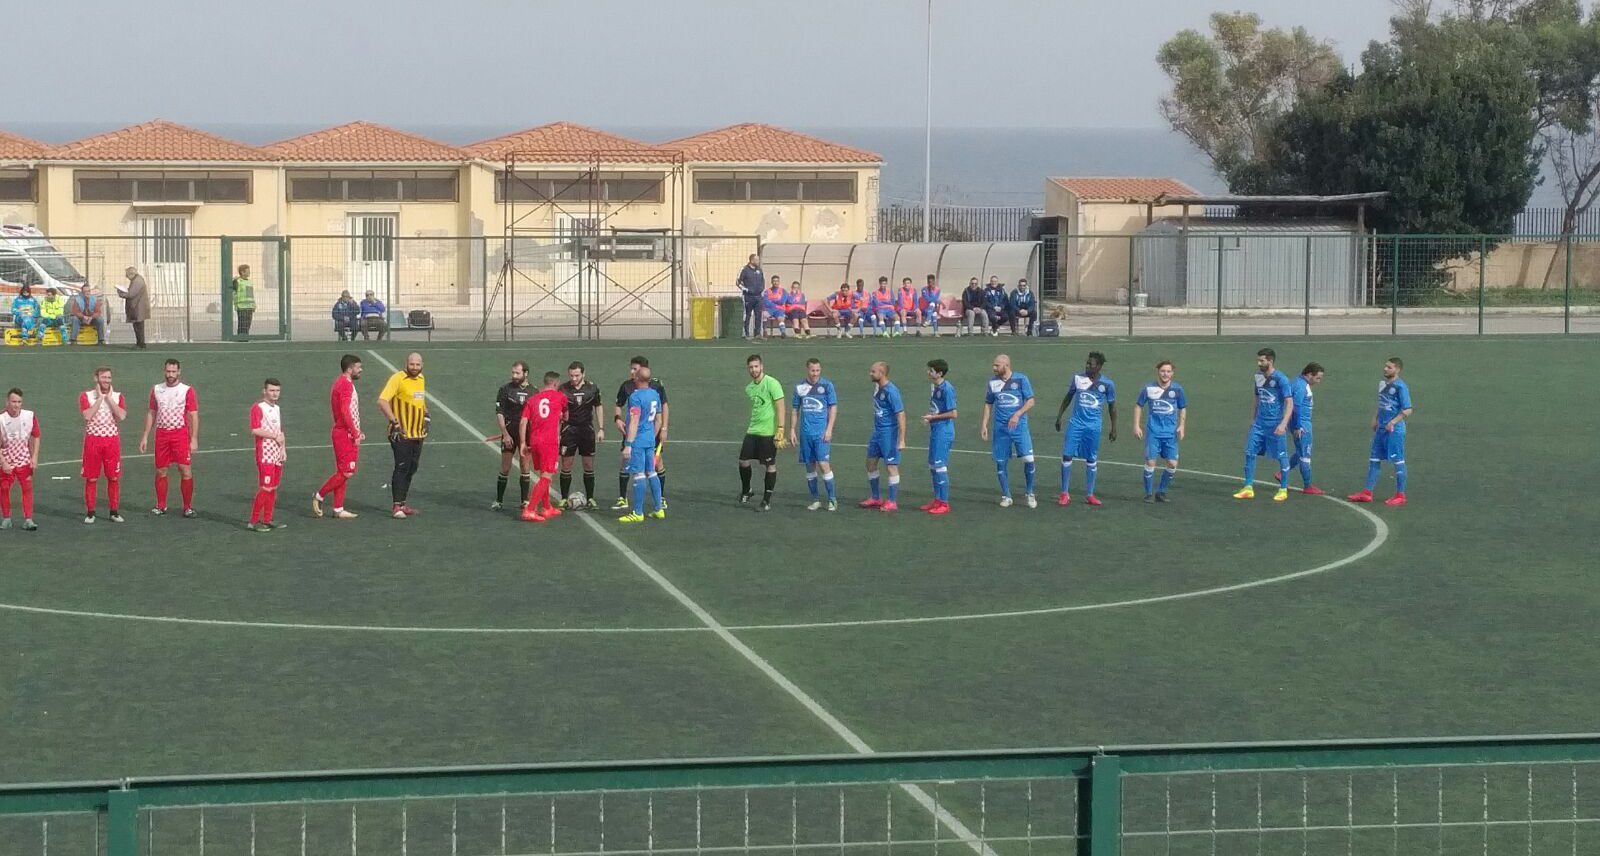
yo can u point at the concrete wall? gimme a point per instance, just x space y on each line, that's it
1527 265
788 222
1095 239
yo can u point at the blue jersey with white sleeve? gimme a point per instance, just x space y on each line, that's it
1090 397
812 401
1272 395
1163 405
1393 397
886 406
647 404
1007 396
1301 394
942 400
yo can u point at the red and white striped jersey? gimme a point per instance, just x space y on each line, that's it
264 415
346 406
15 432
172 405
104 424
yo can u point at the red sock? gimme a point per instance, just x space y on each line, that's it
331 486
338 492
90 488
256 506
186 487
5 500
161 490
271 502
27 498
114 493
541 494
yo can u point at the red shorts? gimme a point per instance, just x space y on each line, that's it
346 453
102 454
544 456
17 474
268 475
172 447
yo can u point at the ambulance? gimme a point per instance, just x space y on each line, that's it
28 258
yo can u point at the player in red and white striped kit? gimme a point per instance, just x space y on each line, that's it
19 454
175 414
266 423
346 436
102 408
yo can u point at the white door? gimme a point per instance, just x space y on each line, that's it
372 255
164 259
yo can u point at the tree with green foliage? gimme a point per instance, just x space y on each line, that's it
1229 89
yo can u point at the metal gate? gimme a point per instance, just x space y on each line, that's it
268 259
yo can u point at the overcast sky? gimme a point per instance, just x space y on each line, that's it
619 63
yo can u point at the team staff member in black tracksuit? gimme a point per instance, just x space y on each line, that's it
582 431
627 388
508 402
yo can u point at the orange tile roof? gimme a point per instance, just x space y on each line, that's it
565 142
20 148
361 142
1122 189
157 141
765 143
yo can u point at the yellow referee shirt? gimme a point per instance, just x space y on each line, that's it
405 397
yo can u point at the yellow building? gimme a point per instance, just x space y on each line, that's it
1098 218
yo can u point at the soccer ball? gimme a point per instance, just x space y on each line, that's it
576 499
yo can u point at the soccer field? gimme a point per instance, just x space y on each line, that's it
462 636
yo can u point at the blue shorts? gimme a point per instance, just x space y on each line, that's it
1081 443
1262 442
642 459
1160 448
847 316
774 313
939 449
814 450
1302 446
795 314
1006 444
1389 446
885 445
885 311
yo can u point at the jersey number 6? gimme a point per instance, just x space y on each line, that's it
544 408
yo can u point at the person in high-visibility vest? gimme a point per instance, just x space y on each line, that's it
244 301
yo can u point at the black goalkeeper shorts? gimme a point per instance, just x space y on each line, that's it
758 448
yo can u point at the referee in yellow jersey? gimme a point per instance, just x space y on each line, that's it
403 404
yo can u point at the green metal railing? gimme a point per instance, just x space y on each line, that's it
1478 795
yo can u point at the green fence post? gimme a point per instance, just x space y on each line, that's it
1100 808
226 303
1394 290
1131 239
122 823
1566 297
1219 285
1483 265
1308 286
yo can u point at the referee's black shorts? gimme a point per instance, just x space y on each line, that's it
577 441
758 448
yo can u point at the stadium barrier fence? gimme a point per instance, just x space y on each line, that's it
1498 795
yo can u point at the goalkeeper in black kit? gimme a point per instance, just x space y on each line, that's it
619 418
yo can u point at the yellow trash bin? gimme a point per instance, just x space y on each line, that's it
703 317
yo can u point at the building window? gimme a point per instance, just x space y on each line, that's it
774 187
155 186
617 188
372 185
19 185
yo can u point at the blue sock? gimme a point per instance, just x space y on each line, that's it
1399 476
941 484
638 493
1372 472
1003 470
827 482
1283 473
933 323
654 481
1092 469
1027 473
1066 475
1166 479
1149 475
872 482
811 482
1249 470
1305 471
894 488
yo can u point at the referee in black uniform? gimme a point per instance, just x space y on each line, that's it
627 388
508 402
582 430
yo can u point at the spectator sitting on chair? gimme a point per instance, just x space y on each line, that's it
346 317
928 304
998 303
25 315
795 308
53 314
86 310
374 316
1024 308
844 310
974 309
772 307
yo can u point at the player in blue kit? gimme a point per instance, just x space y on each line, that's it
1169 410
1089 394
1005 419
1302 394
1389 434
941 422
816 405
639 443
1272 412
888 438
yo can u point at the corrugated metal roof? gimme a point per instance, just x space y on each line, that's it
1235 226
